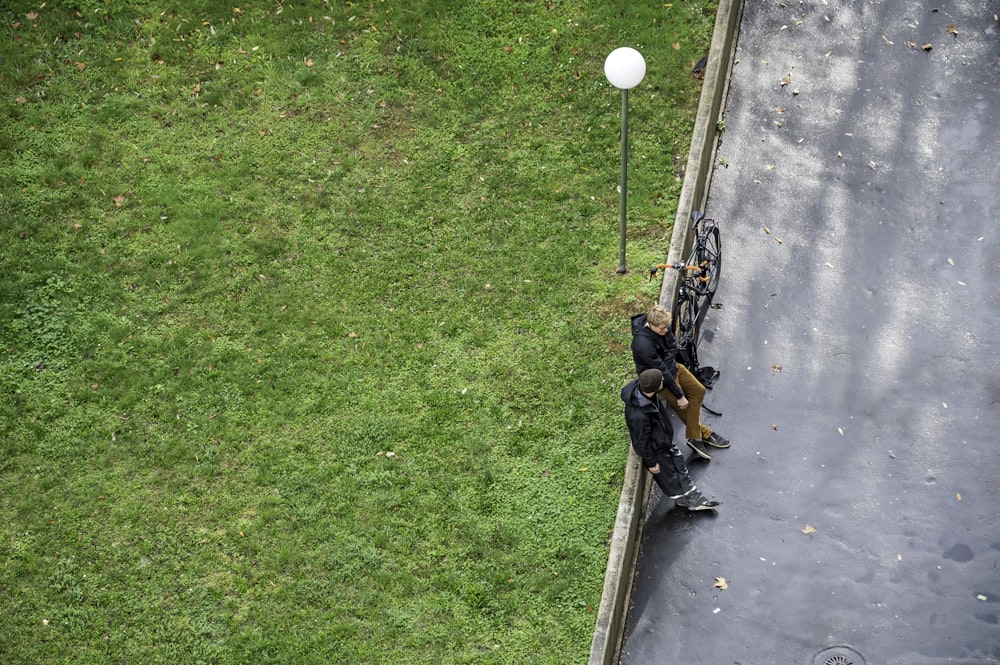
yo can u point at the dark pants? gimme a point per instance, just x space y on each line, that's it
673 478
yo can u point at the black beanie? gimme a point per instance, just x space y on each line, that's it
650 380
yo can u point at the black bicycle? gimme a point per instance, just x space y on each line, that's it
696 291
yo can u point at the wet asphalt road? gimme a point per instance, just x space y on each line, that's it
859 345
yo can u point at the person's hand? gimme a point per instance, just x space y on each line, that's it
654 469
682 403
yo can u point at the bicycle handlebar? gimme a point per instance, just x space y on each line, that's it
676 266
680 267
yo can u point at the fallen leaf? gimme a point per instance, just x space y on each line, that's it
927 47
720 583
886 40
808 529
352 334
952 29
119 201
776 368
677 46
390 454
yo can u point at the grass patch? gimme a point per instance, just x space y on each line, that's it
312 338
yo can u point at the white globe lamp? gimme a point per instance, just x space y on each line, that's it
625 69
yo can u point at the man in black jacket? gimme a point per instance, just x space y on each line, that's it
653 440
654 347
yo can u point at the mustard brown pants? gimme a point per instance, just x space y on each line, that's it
691 416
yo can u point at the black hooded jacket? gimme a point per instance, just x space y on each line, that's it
652 351
648 424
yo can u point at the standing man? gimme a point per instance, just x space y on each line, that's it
653 440
654 347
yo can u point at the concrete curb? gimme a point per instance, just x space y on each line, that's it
605 649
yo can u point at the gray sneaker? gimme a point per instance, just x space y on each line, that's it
696 501
717 441
695 445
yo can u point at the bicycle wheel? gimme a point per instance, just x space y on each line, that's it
685 320
710 258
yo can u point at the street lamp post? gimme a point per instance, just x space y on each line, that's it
625 69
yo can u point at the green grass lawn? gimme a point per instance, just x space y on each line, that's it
311 334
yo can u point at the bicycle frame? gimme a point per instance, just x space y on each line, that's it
697 286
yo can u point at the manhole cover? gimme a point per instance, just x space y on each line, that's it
838 656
